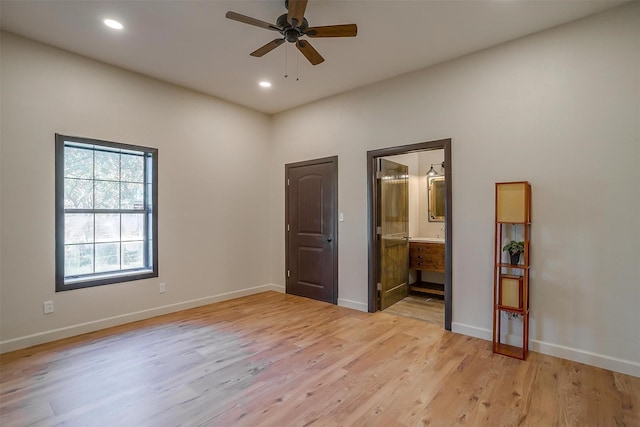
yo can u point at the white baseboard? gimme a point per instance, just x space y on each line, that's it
356 305
594 359
589 358
472 331
271 287
82 328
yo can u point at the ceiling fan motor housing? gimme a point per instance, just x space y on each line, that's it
290 33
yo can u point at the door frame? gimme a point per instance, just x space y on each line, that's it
333 160
372 218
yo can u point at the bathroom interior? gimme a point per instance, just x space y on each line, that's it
426 198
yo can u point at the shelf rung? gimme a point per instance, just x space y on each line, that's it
518 266
509 350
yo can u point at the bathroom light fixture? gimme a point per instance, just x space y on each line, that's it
112 23
432 171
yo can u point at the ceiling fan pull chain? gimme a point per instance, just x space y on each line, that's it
286 56
297 68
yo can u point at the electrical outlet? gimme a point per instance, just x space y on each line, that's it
163 288
48 307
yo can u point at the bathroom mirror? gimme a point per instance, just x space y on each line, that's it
436 196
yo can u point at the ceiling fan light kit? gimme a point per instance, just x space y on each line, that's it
292 26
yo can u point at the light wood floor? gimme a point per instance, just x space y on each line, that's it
277 360
420 308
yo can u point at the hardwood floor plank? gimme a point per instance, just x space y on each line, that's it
279 360
628 391
423 308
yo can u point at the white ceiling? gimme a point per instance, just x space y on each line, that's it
192 44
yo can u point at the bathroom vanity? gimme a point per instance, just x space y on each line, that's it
427 254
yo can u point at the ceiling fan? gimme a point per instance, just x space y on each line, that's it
293 25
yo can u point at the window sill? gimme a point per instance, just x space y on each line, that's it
105 279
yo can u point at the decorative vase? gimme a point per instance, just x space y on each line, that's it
515 258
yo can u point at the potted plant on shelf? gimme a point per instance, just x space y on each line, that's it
514 248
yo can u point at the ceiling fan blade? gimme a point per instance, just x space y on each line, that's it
267 48
309 52
251 21
346 30
296 11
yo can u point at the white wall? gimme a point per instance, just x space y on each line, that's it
212 203
560 109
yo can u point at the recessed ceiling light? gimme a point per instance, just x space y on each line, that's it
265 84
111 23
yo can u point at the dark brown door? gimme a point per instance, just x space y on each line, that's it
393 185
311 216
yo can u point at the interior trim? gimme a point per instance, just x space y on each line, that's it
372 217
623 366
107 322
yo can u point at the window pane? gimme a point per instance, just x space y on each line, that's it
132 168
149 159
149 196
107 227
107 166
107 257
105 212
78 163
149 261
78 228
150 255
78 193
132 227
78 259
132 196
107 195
132 255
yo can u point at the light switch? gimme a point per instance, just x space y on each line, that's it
341 217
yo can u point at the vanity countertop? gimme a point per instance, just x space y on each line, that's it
427 239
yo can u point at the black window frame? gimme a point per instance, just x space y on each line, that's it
99 279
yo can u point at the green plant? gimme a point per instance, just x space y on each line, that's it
514 247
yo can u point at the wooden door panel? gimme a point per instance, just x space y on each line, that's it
394 231
309 203
309 268
393 272
311 211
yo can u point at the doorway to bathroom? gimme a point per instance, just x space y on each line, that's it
409 206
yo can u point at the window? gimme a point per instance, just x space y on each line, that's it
106 212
